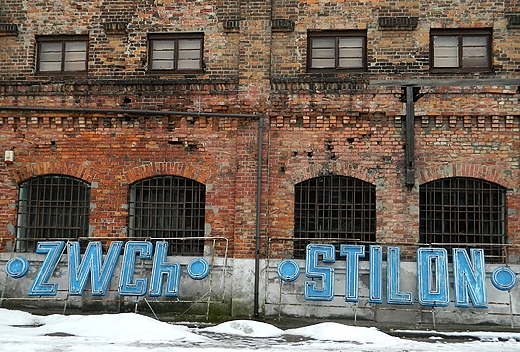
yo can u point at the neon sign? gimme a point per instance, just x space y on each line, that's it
469 275
432 277
100 271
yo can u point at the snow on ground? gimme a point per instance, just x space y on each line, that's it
246 328
340 332
128 332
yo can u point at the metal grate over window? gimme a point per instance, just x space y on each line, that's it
459 211
335 210
169 208
52 207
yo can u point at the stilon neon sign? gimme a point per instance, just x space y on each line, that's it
433 289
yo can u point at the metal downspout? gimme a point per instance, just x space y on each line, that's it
258 216
411 95
128 111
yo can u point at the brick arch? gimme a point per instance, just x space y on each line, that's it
165 168
55 167
464 170
333 168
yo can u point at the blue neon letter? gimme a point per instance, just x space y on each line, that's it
394 296
127 287
432 277
40 286
325 273
375 275
162 268
469 278
352 254
100 275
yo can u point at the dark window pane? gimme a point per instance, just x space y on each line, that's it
333 209
458 211
62 55
52 207
474 52
336 50
176 53
169 207
464 49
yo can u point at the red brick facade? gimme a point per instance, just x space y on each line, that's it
350 124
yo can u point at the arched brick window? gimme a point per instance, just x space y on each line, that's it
335 210
169 208
458 211
52 207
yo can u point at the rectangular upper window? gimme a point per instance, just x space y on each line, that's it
176 52
62 53
460 50
336 50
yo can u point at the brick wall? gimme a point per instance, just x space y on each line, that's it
349 124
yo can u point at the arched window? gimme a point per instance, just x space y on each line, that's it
458 211
335 210
169 208
52 207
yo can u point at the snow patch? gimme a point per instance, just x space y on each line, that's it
245 328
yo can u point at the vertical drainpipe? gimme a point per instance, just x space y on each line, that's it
258 216
411 95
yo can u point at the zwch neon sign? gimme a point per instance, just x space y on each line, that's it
101 272
433 282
